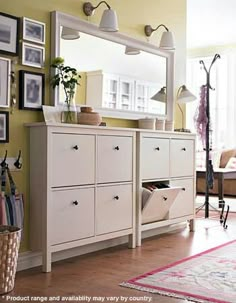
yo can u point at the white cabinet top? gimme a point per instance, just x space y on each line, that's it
144 132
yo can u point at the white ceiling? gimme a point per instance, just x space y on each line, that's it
211 23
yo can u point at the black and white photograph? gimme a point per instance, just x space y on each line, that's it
31 90
33 55
34 31
4 127
5 71
9 34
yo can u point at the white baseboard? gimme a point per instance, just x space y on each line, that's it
32 259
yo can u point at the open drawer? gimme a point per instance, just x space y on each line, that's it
158 204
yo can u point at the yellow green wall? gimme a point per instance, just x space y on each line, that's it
133 15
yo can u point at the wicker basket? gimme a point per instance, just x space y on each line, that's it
9 247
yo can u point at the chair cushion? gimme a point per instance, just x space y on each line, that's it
231 163
226 155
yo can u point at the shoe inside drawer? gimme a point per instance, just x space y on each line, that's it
158 204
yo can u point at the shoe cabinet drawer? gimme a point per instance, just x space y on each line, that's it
72 215
73 159
158 203
115 154
113 208
154 158
182 157
183 204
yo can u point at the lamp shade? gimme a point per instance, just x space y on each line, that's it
109 21
131 50
167 41
184 95
160 95
69 33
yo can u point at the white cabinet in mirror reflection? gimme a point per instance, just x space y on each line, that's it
121 92
109 91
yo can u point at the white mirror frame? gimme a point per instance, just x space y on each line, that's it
59 19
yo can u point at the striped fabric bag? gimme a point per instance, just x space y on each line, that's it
11 205
3 213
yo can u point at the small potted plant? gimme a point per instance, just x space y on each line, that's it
68 77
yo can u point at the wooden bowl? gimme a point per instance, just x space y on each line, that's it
86 109
89 118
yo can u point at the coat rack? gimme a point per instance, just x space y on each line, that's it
209 168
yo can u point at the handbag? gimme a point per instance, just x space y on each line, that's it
12 204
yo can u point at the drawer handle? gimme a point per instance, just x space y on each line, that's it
184 149
183 188
75 202
157 148
164 198
117 148
116 198
76 147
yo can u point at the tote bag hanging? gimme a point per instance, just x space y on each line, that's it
16 200
3 213
11 205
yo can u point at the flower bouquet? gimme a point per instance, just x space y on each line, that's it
68 77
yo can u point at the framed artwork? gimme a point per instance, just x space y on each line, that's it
5 74
33 55
9 34
33 31
4 127
31 90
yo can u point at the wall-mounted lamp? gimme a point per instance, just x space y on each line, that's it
131 50
167 39
108 21
69 33
160 95
184 96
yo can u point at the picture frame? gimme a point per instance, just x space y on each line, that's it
4 127
33 55
31 90
9 34
34 31
5 81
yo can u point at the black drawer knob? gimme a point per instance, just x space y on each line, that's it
75 147
116 198
157 148
164 198
75 202
183 188
117 148
184 149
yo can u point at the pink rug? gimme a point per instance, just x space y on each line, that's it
209 276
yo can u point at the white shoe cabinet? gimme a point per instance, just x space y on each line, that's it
86 184
82 186
165 158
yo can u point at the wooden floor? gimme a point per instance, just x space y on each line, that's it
99 274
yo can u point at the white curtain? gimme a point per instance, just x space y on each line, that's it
222 98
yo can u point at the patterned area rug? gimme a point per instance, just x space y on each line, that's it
209 276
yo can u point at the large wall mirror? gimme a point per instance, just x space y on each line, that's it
115 83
